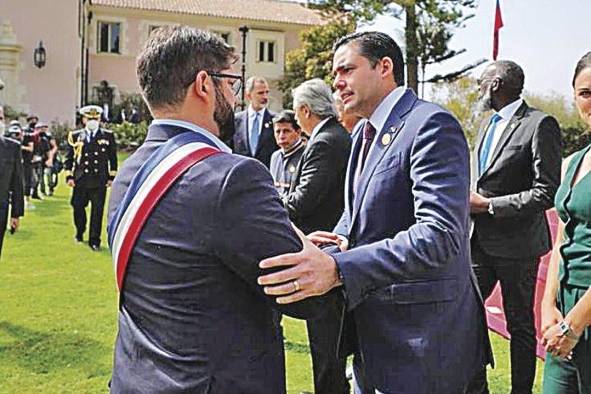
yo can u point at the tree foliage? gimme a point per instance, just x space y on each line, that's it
460 98
314 58
429 26
575 133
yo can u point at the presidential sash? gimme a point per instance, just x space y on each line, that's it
154 178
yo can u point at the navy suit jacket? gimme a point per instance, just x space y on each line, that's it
11 177
407 276
267 144
192 318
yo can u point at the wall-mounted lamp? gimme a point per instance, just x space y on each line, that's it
39 55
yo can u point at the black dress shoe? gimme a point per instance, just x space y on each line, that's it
78 239
95 248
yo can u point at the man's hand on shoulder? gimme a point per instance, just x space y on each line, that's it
308 273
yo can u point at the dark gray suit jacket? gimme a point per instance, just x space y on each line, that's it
315 200
192 317
521 180
11 176
267 144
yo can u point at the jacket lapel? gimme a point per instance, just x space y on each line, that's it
391 130
264 135
507 133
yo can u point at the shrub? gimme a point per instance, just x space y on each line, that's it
129 136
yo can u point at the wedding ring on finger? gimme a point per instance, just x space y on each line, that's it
296 285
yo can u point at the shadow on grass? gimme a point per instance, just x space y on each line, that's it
50 352
296 347
53 206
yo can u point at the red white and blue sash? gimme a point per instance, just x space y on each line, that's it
149 184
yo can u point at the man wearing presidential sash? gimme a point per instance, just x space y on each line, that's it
188 224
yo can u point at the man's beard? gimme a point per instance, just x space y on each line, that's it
484 103
223 115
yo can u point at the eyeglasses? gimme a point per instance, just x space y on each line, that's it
236 84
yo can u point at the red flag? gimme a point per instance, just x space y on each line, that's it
498 25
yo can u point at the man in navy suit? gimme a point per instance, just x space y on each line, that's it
192 318
253 128
403 261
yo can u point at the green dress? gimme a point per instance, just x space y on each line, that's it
573 205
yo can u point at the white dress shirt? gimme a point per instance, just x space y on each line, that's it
251 115
379 117
193 127
506 113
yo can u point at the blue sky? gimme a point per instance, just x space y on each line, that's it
545 37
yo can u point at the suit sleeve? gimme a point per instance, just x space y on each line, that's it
69 162
16 186
342 227
112 157
316 173
546 161
439 172
251 225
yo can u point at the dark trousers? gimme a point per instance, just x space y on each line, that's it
36 178
518 284
81 196
3 223
328 368
27 176
361 384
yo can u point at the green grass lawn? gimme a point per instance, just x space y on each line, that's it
58 308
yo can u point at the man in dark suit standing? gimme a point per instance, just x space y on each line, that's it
192 318
253 128
11 182
315 202
515 174
403 260
91 166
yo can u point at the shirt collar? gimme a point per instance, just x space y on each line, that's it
252 112
318 127
382 112
293 148
508 111
193 127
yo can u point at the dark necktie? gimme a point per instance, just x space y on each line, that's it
369 132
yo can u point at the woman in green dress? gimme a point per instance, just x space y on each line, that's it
566 306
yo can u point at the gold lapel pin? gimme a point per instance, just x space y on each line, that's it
386 138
